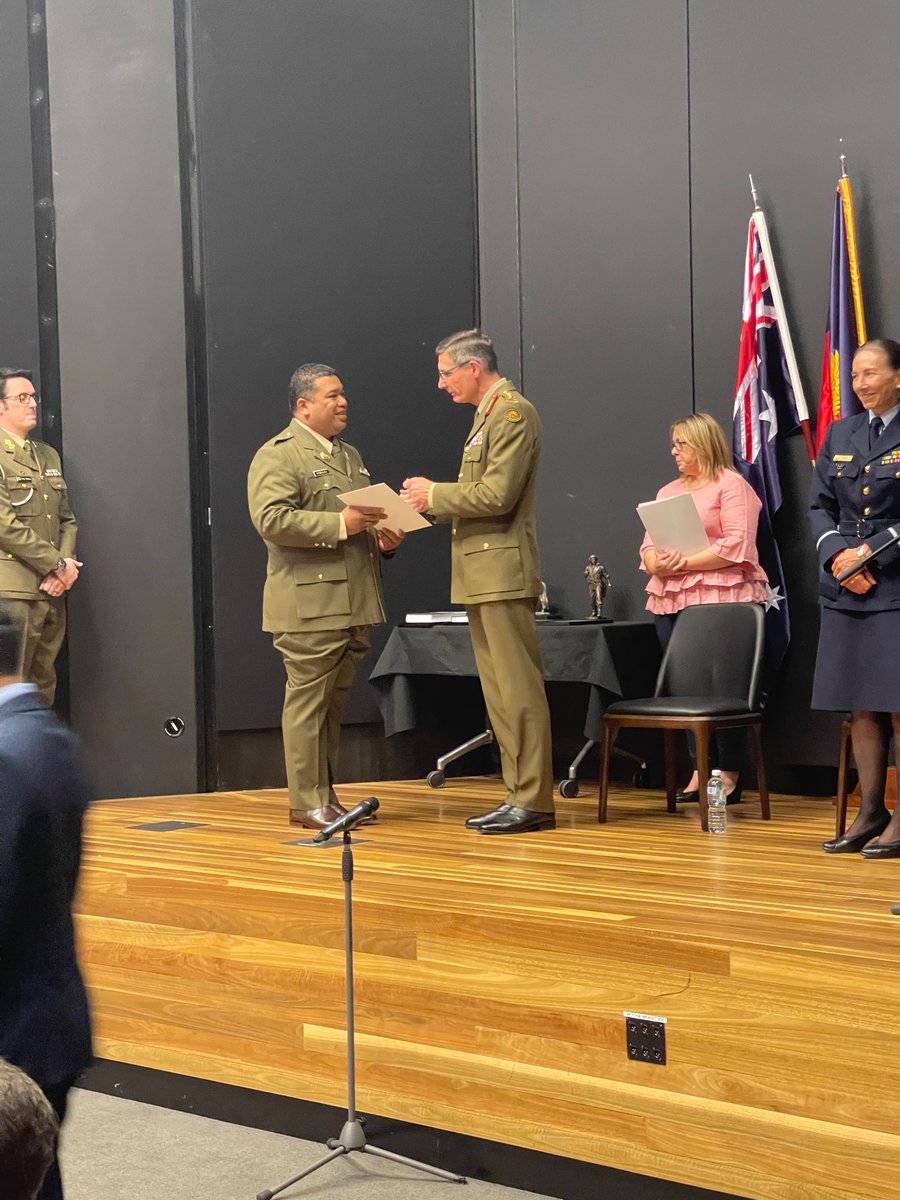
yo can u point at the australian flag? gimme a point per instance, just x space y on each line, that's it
764 409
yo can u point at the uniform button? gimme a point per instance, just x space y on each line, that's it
9 556
486 546
371 555
867 469
866 490
321 576
46 497
866 511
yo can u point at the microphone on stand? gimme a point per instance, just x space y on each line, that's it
348 820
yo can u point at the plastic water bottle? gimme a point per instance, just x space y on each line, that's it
715 796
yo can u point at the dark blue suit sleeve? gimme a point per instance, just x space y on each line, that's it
824 509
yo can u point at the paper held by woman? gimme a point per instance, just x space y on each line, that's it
674 524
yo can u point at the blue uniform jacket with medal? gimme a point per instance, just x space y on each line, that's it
494 552
313 579
855 496
37 526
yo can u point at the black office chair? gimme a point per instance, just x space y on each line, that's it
709 680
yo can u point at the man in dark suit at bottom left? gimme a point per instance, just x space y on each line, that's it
44 792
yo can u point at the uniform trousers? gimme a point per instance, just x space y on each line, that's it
43 624
504 638
320 667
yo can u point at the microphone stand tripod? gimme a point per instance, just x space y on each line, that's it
352 1136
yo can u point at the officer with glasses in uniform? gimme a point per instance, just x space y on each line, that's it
37 532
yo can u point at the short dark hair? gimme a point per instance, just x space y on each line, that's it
304 379
13 373
29 1132
888 345
10 642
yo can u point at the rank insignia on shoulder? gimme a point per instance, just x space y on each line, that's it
9 443
843 458
513 414
324 471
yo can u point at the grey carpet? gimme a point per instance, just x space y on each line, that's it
116 1149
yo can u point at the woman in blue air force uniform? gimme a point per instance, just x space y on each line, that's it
854 498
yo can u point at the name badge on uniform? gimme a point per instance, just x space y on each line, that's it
843 458
22 478
324 471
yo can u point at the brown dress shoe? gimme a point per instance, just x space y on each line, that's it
315 818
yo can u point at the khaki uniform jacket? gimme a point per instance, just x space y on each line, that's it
37 527
494 553
313 581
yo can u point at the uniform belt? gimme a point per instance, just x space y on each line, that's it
863 529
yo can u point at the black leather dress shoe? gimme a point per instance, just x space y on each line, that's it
477 822
690 797
882 850
314 818
519 820
852 844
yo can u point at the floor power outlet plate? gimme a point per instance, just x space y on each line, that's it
645 1038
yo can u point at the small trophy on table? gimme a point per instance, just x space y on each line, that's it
599 583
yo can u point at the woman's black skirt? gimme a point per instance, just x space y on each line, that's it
858 664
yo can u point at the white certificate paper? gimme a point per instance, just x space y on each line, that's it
399 514
674 524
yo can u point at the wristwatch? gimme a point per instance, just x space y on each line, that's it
862 551
61 565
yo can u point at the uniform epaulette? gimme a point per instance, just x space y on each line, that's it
510 396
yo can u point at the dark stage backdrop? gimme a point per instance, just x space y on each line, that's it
18 298
614 143
337 223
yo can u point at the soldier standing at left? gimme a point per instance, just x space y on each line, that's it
37 533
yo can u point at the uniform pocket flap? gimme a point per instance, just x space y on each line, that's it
321 572
478 543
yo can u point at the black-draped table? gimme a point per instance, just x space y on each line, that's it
617 659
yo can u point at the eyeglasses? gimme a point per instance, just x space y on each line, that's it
450 370
679 443
23 399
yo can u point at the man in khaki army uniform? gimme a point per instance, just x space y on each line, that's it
323 583
37 533
496 572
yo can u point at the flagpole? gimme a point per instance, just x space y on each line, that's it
758 217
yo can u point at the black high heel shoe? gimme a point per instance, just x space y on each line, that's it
688 797
853 843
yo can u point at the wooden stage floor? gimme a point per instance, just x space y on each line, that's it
493 972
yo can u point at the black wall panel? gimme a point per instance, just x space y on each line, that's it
337 220
18 296
600 192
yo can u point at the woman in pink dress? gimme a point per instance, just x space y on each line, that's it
728 572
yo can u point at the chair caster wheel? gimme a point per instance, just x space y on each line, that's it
332 1143
568 789
435 779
